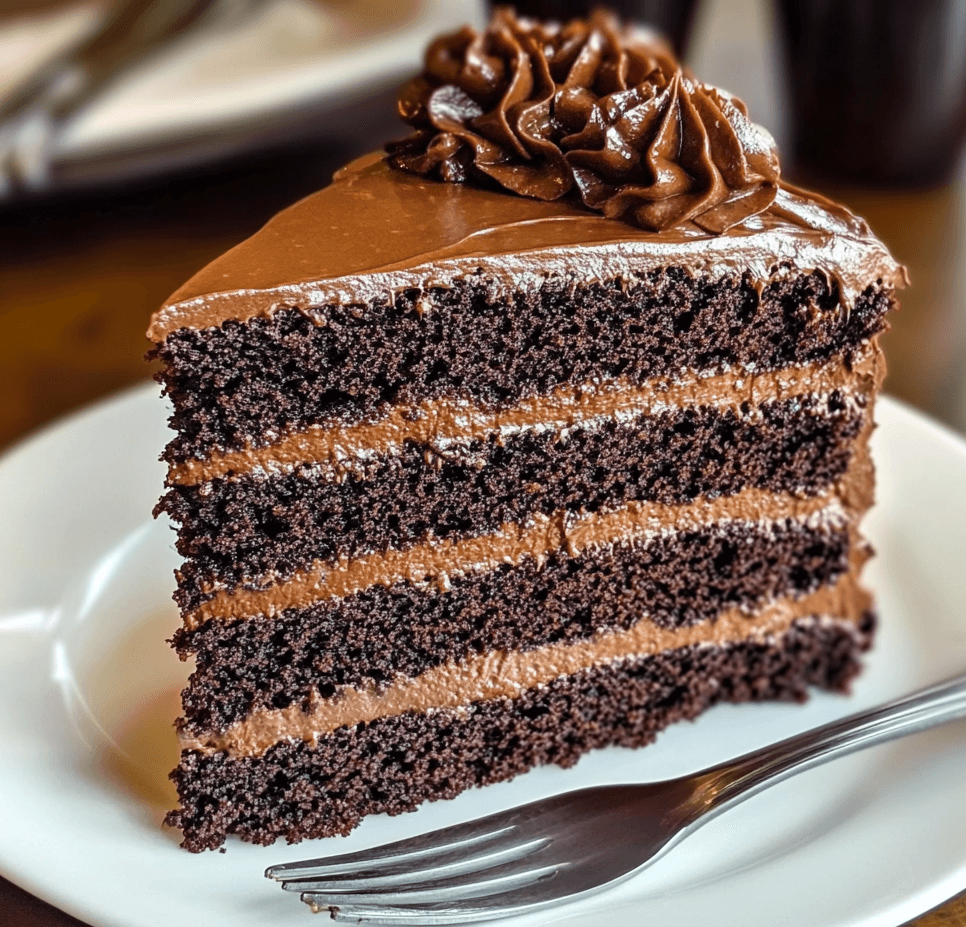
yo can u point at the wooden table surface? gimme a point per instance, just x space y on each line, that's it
80 276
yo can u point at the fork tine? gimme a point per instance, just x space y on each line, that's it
500 879
420 915
404 878
422 850
438 847
450 903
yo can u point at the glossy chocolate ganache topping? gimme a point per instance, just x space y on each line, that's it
591 111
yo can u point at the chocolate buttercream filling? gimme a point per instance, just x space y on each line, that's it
443 422
500 674
436 560
375 231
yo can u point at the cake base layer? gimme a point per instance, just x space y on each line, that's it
393 764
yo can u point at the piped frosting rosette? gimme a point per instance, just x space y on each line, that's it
588 110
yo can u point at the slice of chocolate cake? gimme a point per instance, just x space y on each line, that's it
542 433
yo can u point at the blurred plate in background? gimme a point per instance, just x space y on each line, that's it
277 75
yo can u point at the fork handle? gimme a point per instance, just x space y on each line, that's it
730 783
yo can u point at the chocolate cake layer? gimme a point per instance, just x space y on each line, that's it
505 674
437 561
234 532
297 791
451 424
373 636
245 384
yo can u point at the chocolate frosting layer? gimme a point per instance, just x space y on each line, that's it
376 230
443 424
591 110
437 559
500 674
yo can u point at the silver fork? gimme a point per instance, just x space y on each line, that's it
571 845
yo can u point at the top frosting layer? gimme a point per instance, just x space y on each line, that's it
376 230
589 110
572 128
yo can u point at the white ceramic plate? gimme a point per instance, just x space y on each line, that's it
88 690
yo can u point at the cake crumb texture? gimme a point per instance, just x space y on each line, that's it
342 362
297 792
369 638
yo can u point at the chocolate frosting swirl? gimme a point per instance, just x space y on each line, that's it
588 110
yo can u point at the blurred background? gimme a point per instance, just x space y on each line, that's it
139 139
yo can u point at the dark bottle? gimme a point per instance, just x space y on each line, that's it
877 87
673 18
